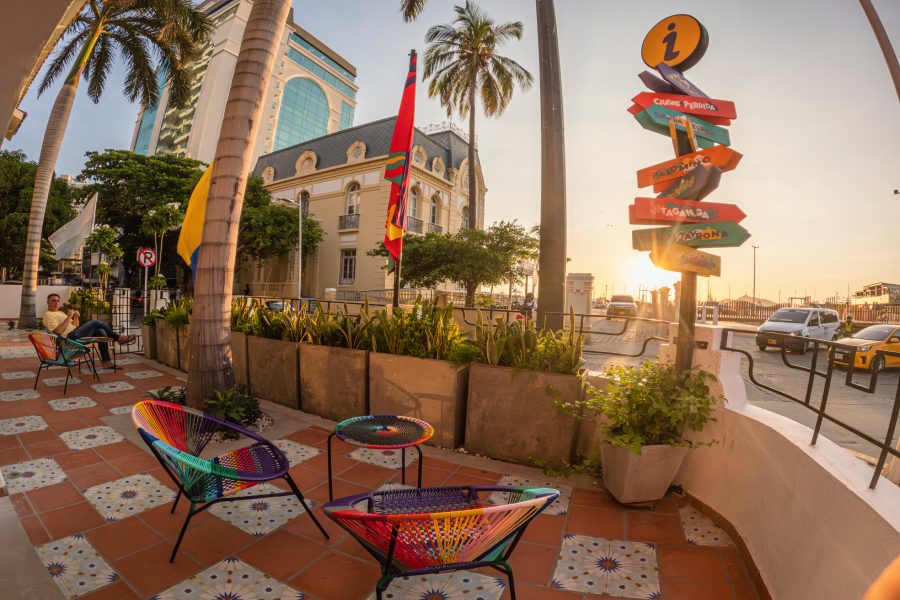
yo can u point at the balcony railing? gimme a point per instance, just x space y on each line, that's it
414 225
346 222
434 228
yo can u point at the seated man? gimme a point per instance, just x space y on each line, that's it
60 322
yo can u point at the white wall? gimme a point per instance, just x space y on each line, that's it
11 298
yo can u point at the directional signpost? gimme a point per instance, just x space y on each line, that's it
657 118
676 257
722 157
695 185
726 234
664 211
720 112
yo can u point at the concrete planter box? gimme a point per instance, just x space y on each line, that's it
273 370
511 415
333 381
239 358
427 389
166 344
184 347
639 478
148 338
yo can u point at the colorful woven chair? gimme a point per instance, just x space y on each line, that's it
178 434
431 530
57 351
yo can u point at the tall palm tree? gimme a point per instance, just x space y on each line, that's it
211 367
137 30
462 61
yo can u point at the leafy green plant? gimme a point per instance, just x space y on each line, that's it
652 404
424 330
150 318
243 315
340 329
157 282
178 312
234 405
168 394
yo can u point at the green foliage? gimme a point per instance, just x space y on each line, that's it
168 394
243 315
178 313
422 330
150 318
158 222
652 404
234 405
341 329
520 346
157 282
88 300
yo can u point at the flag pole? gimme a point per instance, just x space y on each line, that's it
396 301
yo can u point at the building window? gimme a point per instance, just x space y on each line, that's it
353 194
465 216
435 202
346 116
348 266
321 72
303 115
414 203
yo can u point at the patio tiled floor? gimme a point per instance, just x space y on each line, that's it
77 489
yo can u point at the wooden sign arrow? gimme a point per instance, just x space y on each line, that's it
676 79
676 257
696 184
657 118
663 211
719 112
726 234
656 84
722 157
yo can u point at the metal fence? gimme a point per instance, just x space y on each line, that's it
738 310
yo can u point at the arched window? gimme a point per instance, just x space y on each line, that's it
304 203
465 216
353 199
435 203
303 115
414 203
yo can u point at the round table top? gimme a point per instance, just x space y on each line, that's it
384 431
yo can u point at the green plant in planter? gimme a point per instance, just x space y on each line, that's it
150 318
243 315
157 282
341 329
178 313
168 394
424 330
235 405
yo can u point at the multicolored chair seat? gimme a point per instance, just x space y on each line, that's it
57 351
177 435
431 530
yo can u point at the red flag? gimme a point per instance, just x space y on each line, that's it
397 169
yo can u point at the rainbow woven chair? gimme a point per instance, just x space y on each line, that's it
177 435
57 351
432 530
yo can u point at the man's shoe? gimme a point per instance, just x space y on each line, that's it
126 339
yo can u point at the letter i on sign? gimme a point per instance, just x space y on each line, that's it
669 40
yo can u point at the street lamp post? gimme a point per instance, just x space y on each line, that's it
299 205
754 276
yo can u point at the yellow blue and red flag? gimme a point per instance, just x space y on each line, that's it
397 169
192 228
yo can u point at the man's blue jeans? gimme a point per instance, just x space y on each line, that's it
95 328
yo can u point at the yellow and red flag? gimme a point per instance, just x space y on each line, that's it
397 169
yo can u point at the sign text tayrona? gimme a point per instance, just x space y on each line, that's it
726 234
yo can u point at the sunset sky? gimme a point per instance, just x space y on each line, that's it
818 125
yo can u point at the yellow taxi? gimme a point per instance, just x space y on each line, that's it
866 342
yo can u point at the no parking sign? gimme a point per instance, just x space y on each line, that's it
146 257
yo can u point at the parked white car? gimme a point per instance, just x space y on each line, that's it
621 306
800 323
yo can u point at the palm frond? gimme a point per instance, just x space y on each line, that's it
100 66
64 56
410 9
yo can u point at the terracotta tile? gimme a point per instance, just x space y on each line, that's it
690 563
149 571
77 459
339 464
92 411
13 455
36 437
546 529
35 530
734 565
696 591
464 479
745 591
533 562
121 538
134 463
436 463
20 503
306 478
341 489
91 475
310 435
76 518
596 521
431 477
338 577
110 451
281 554
372 476
210 541
480 473
52 497
649 527
9 441
69 424
304 527
592 497
116 591
352 547
48 448
666 506
169 525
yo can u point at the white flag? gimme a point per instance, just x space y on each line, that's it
70 236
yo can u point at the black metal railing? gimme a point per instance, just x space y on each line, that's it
414 225
434 228
820 347
642 327
348 222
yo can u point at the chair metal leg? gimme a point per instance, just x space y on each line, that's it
507 570
403 466
66 384
305 505
181 535
330 490
175 504
420 465
37 376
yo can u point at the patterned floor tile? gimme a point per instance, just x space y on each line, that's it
72 403
143 374
601 566
91 437
32 474
17 352
259 517
699 529
75 566
13 395
393 485
383 458
112 386
22 425
128 496
230 579
559 507
120 410
59 381
459 585
297 453
18 375
174 388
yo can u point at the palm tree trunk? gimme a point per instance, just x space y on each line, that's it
211 366
473 200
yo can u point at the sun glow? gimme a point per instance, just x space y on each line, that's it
639 272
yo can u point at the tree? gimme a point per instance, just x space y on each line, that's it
211 366
159 221
103 240
16 185
462 60
138 29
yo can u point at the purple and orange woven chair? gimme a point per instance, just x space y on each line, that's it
432 530
57 351
178 434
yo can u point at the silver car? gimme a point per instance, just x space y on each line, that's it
802 324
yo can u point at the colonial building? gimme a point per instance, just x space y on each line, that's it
312 92
339 179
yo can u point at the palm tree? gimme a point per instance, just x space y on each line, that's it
462 61
211 366
136 29
553 164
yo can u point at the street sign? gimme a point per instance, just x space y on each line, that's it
679 81
657 118
719 112
663 211
146 257
656 84
726 234
677 41
676 257
696 184
718 156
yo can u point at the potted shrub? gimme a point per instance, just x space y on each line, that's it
148 334
647 410
272 355
243 321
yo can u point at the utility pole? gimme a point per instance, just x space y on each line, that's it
754 274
